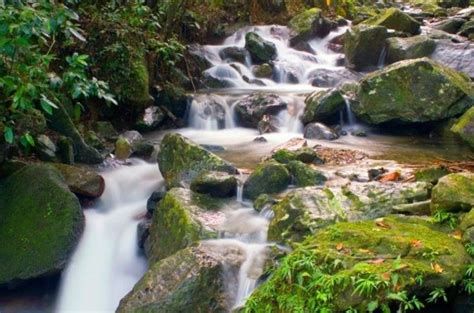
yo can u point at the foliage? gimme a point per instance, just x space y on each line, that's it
31 73
444 217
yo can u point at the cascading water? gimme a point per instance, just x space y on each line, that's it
106 263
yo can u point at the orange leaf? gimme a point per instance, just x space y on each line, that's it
380 223
437 268
416 243
457 235
339 246
377 261
392 176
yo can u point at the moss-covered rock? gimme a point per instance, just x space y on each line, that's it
395 19
411 91
304 175
305 155
264 70
392 254
216 184
123 148
467 29
321 105
308 24
464 127
41 222
409 48
181 160
260 50
195 277
82 181
431 174
268 177
363 45
453 193
305 210
180 219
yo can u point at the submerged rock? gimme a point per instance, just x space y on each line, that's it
251 109
41 223
215 184
395 19
319 131
453 193
181 219
322 105
305 210
409 48
464 127
260 50
181 160
411 91
364 45
268 177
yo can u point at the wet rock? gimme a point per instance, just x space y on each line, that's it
181 160
457 56
194 278
143 149
268 124
467 30
181 219
364 45
143 231
412 91
293 144
364 248
151 119
94 141
453 193
322 105
305 210
45 148
304 175
264 70
213 148
251 109
263 201
82 181
123 149
464 127
431 174
153 200
260 139
395 19
215 184
210 80
418 208
305 155
308 24
467 227
41 224
268 177
236 54
208 108
65 150
106 130
359 132
409 48
199 57
319 131
329 78
450 25
260 49
453 3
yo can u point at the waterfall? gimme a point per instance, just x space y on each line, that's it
210 112
106 264
351 120
383 55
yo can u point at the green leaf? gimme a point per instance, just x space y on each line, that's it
29 139
8 134
47 105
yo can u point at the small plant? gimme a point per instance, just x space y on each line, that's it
436 294
444 217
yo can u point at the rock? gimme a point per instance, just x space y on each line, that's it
213 148
453 193
153 200
305 210
395 19
181 219
143 231
143 149
268 124
199 57
106 130
364 251
457 56
195 277
123 149
293 144
82 181
93 140
453 3
364 45
308 24
32 121
251 109
409 48
233 53
359 132
260 49
319 131
431 174
260 139
304 175
467 29
208 108
413 91
213 81
305 155
40 226
45 148
464 127
417 208
467 227
181 160
262 202
215 184
66 150
132 136
263 71
268 177
450 25
322 105
329 78
151 119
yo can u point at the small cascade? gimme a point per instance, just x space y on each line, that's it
382 57
240 190
290 120
351 119
210 112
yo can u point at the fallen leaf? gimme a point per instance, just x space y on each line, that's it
437 268
386 276
392 176
457 235
339 246
380 223
416 243
377 261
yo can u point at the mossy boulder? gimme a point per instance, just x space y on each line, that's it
263 71
304 175
450 25
123 148
453 193
464 127
409 48
195 277
41 222
467 227
82 181
260 50
216 184
251 109
394 18
305 210
322 105
181 219
181 160
268 177
413 91
305 155
308 24
467 29
431 174
401 253
363 45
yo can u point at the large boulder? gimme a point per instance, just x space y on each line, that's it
41 222
251 109
216 184
196 277
322 105
454 192
409 255
308 24
305 210
395 19
409 48
268 177
363 46
181 160
260 50
457 56
464 127
411 91
82 181
181 219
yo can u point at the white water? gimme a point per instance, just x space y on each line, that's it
106 263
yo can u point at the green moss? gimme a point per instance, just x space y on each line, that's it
303 22
305 155
453 193
363 45
464 127
322 105
325 271
304 175
393 18
268 177
431 174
